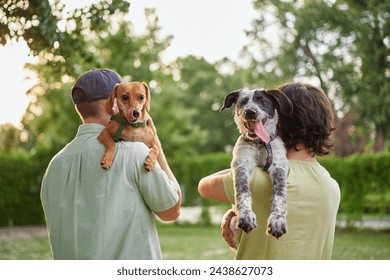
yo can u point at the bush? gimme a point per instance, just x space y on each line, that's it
363 179
20 179
189 171
364 183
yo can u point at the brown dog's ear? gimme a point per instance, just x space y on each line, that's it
284 104
147 104
111 99
230 99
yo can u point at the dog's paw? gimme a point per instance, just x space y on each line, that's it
106 162
277 225
149 163
247 222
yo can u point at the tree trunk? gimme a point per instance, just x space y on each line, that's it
379 144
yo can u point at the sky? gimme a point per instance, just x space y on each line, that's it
213 29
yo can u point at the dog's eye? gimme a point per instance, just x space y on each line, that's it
124 97
261 100
264 102
141 97
243 101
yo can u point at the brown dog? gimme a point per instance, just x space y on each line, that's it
130 103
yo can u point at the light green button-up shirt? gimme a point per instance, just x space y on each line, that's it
92 213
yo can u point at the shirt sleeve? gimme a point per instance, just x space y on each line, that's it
158 191
228 186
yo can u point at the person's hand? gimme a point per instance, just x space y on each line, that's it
226 231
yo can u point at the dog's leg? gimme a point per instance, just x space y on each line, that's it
243 164
150 161
246 217
108 157
151 141
277 224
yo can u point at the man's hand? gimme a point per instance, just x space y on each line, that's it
226 230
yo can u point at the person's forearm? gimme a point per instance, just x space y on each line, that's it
164 163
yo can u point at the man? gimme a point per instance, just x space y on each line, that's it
92 213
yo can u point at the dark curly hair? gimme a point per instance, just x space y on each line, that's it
311 123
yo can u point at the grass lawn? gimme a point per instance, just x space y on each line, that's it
197 243
362 245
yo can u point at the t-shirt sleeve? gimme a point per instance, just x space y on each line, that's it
228 186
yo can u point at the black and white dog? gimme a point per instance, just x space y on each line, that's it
256 116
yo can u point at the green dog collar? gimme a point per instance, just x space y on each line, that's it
123 123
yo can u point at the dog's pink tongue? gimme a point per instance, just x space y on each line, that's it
260 131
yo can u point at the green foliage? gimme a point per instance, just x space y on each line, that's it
20 177
40 24
9 137
190 169
51 120
363 182
342 44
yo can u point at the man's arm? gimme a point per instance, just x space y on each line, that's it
172 213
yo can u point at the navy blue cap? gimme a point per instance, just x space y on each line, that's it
94 84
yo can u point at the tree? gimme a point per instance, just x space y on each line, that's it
51 119
343 44
10 137
45 27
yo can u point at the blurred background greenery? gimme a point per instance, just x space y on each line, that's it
340 45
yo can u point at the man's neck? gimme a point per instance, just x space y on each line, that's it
102 120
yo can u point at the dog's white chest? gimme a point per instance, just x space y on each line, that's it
254 153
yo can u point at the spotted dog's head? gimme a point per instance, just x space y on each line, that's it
131 100
256 113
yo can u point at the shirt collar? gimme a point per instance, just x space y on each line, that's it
88 128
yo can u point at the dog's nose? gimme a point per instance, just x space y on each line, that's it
135 113
250 114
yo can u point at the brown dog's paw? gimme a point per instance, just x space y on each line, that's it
149 163
105 165
106 162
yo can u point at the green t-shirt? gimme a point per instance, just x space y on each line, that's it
92 213
313 199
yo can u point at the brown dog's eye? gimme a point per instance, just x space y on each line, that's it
141 97
124 97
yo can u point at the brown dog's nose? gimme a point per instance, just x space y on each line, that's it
136 113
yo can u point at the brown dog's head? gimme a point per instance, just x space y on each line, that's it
131 100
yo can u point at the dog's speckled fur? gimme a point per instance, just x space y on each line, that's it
249 152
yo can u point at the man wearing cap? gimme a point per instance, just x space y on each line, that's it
92 213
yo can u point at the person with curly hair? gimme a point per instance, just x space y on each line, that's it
313 196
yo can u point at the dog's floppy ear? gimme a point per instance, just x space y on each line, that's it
147 104
230 99
112 101
284 104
